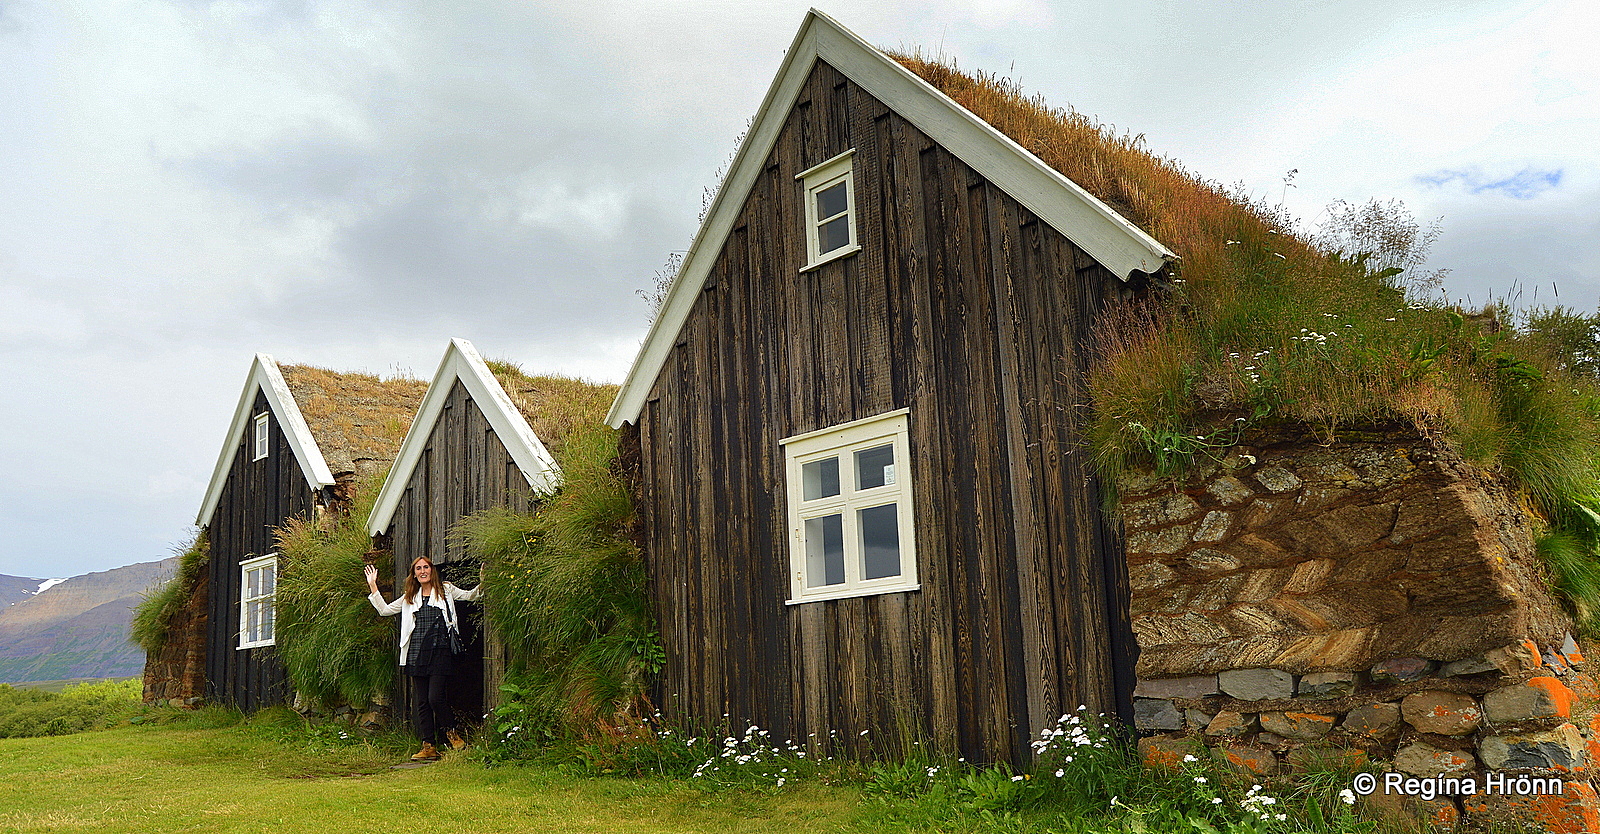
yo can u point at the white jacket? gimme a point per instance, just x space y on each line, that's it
408 610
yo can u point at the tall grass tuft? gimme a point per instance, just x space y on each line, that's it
333 648
565 589
152 617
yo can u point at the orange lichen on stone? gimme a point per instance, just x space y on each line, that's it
1444 816
1594 741
1576 809
1164 754
1533 652
1560 695
1250 760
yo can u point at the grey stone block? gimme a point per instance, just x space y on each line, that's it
1561 748
1230 723
1403 669
1297 725
1197 720
1469 666
1197 686
1521 702
1256 684
1444 713
1229 490
1277 479
1375 720
1156 714
1327 684
1425 760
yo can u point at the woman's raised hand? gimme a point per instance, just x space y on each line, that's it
372 576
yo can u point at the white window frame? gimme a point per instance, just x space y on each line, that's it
251 634
261 435
843 441
819 178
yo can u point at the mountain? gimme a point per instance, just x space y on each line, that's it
17 588
76 628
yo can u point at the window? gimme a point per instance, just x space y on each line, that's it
830 210
261 436
850 531
257 591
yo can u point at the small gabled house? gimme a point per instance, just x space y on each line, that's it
854 426
472 446
300 437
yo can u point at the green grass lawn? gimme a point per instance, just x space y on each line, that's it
212 770
145 779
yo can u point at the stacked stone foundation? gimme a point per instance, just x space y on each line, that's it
1372 603
1513 716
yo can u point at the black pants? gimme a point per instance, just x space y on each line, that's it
430 708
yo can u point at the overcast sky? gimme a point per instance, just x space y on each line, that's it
350 184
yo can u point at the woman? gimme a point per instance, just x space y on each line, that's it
427 614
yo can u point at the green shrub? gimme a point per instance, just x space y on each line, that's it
152 617
334 648
27 713
565 590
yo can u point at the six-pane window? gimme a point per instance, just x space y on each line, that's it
258 589
850 512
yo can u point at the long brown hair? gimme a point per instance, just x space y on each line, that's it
413 586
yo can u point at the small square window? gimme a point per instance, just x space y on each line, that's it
850 510
261 436
830 210
258 591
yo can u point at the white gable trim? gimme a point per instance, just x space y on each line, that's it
265 377
461 361
1109 238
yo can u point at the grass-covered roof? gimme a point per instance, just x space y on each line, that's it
358 420
555 406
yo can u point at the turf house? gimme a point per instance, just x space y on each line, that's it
474 445
930 445
853 425
300 440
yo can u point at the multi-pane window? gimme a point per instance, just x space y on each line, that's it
830 210
850 513
257 590
261 436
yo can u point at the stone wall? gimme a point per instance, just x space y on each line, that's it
1370 602
177 674
1303 557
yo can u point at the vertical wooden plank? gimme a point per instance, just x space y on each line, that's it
1035 603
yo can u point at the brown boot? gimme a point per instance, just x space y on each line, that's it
455 739
426 754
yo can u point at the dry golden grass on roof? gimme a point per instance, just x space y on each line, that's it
358 420
1193 217
554 405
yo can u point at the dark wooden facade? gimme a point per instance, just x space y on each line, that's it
464 468
258 496
966 309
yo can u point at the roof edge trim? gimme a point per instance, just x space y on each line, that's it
265 376
461 361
